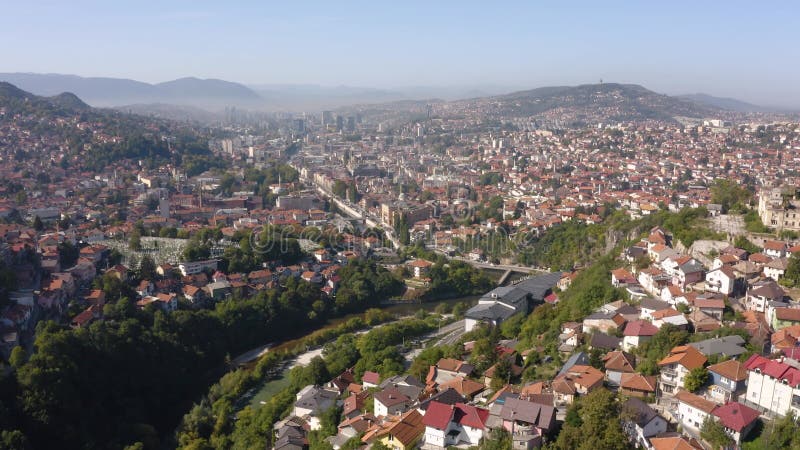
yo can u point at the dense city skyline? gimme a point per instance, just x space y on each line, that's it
678 48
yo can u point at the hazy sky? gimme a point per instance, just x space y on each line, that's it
747 50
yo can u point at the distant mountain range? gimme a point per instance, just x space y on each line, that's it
210 94
730 104
192 98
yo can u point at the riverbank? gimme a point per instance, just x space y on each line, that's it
279 379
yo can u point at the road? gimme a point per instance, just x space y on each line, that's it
485 265
447 335
356 212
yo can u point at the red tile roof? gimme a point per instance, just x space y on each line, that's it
736 416
438 415
640 328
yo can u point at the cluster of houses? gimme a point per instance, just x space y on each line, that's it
456 406
448 408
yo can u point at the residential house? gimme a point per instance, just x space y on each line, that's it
621 278
342 381
193 294
641 422
391 401
637 333
693 410
721 280
773 385
291 434
674 443
311 402
399 432
650 305
448 396
578 380
785 317
603 341
727 380
670 316
687 271
712 307
352 427
458 424
449 368
617 363
737 419
570 337
775 249
218 290
420 267
724 347
638 385
370 379
653 280
464 386
354 403
675 366
776 268
604 322
763 292
527 422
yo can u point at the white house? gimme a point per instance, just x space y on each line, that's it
693 410
458 424
737 419
762 293
773 385
776 268
675 366
637 333
643 422
391 402
721 280
775 249
311 402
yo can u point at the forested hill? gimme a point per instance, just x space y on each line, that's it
62 129
596 102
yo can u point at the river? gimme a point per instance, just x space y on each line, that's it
274 385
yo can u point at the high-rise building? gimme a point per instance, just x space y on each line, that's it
300 126
339 123
327 118
351 124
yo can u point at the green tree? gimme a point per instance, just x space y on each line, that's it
594 425
502 374
730 194
714 433
135 241
13 440
791 277
379 445
18 357
498 439
696 378
37 224
147 268
780 434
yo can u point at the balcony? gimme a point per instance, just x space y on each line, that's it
669 373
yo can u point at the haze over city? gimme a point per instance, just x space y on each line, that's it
399 225
731 49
